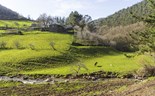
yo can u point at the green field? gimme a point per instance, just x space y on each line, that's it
43 59
15 23
13 57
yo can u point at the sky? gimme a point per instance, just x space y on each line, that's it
94 8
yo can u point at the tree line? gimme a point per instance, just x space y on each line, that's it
124 17
8 14
121 31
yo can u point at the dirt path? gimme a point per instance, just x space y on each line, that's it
144 88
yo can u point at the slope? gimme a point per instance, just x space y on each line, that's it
8 14
124 17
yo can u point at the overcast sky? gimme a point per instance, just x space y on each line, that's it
94 8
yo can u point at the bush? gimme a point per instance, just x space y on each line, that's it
147 70
52 44
17 44
78 67
32 47
119 37
3 45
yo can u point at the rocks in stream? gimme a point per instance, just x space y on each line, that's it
53 79
48 79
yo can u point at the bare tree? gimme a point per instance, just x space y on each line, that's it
76 68
44 20
17 24
52 44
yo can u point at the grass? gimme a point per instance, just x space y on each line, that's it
43 59
12 23
109 63
109 60
2 31
11 57
8 84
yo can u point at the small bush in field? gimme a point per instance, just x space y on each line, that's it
32 47
3 45
52 44
77 68
146 70
17 44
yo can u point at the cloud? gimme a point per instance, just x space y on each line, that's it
62 7
100 1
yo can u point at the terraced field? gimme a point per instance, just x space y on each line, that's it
32 46
15 23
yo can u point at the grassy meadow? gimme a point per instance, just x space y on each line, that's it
33 53
15 23
41 53
11 56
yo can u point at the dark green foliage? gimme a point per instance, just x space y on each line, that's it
74 18
84 21
7 14
124 16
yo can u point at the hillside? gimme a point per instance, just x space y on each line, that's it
112 60
8 14
124 17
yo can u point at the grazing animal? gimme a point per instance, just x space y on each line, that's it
99 66
129 56
95 63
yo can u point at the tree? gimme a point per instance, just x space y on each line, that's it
78 67
151 18
17 24
91 26
146 38
44 20
59 20
84 21
28 17
74 18
123 17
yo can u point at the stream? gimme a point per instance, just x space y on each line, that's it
30 81
50 80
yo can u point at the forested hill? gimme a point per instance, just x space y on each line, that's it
8 14
124 17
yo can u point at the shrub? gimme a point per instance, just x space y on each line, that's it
3 45
32 47
52 44
17 44
77 68
147 69
119 37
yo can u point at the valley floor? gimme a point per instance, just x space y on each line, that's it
36 54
